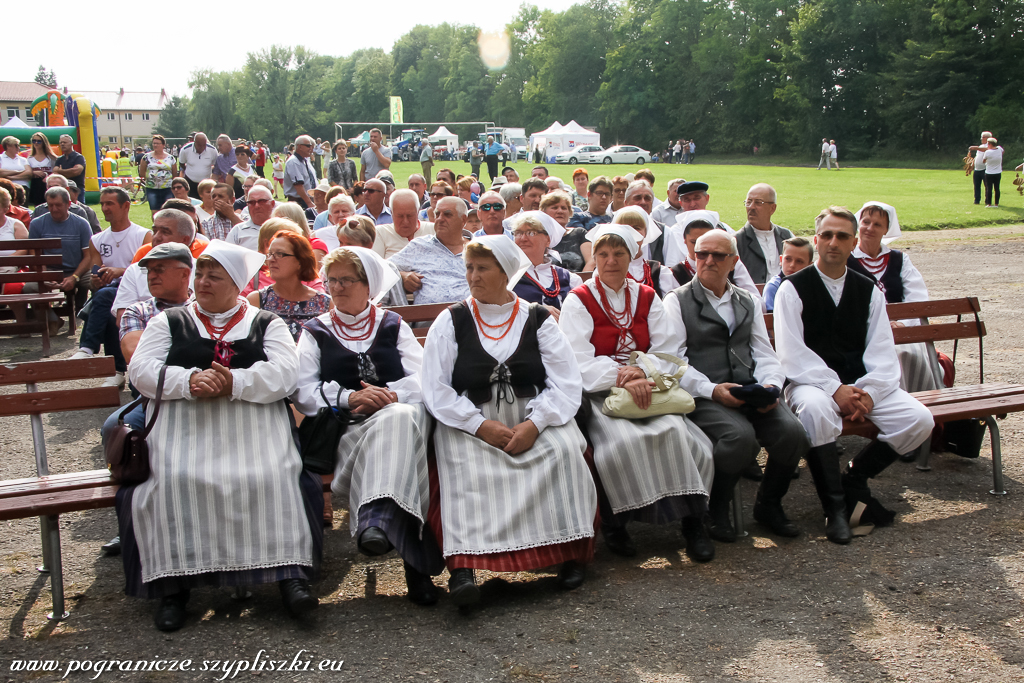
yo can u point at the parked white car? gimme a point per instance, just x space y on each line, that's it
621 154
578 154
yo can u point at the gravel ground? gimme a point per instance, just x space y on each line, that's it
936 597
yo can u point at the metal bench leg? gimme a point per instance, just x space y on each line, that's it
56 569
923 453
44 533
997 457
737 512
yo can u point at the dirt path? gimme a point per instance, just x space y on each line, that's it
936 597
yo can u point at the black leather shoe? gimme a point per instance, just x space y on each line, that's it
374 542
837 529
420 589
112 547
571 575
823 462
296 596
719 524
170 615
774 517
462 587
618 541
699 547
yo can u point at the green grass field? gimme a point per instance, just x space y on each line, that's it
924 199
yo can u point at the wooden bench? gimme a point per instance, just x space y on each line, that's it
48 496
40 269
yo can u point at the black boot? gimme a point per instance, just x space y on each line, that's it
823 462
618 541
768 506
170 615
571 575
419 588
867 464
720 526
374 542
699 547
296 596
462 587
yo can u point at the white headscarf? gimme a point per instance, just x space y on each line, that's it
380 277
653 231
686 217
632 238
554 230
894 224
510 257
241 264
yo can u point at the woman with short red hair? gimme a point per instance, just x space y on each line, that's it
291 262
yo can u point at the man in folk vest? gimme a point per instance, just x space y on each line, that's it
722 335
759 240
836 346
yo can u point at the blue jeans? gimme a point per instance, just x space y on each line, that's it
135 418
157 197
101 327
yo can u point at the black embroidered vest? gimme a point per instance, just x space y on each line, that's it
191 350
380 364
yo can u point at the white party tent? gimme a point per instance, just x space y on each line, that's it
445 137
558 138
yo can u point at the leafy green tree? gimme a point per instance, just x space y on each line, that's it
214 95
47 78
173 120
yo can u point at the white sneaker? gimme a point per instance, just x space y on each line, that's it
116 381
81 353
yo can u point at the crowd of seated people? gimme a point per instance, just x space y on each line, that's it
487 445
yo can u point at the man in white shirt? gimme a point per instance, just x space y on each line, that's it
195 163
438 257
759 240
833 337
669 210
393 237
110 253
992 154
979 164
247 233
826 158
13 166
710 314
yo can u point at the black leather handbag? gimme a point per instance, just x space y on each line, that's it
319 436
126 450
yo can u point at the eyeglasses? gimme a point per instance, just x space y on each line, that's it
438 195
705 255
254 202
343 282
755 202
491 207
370 190
828 236
529 233
602 195
278 254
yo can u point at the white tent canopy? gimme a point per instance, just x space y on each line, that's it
15 122
445 137
558 138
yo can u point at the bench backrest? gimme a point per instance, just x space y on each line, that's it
36 262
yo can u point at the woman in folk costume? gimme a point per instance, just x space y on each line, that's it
641 269
367 360
514 491
227 502
656 469
543 283
900 281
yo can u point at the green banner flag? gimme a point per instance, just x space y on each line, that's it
396 110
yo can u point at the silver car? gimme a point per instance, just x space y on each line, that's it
621 154
578 154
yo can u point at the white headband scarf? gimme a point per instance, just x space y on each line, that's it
510 257
380 277
894 224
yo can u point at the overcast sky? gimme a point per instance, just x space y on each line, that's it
97 56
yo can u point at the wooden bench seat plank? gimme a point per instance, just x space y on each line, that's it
41 504
59 401
54 483
22 261
33 244
938 332
60 371
867 429
967 393
420 313
30 276
981 408
933 308
50 297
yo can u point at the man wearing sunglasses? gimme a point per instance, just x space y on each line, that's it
491 211
760 241
247 233
711 314
375 192
836 346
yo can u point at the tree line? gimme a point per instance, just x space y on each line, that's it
880 76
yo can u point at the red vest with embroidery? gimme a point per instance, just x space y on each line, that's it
605 333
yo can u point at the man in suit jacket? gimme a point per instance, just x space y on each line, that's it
722 334
760 241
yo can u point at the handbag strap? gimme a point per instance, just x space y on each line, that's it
337 400
652 371
159 399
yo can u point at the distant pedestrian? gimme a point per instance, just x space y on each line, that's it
979 165
992 154
833 153
826 155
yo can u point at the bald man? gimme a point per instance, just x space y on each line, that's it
759 241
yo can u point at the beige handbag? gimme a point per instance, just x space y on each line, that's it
667 397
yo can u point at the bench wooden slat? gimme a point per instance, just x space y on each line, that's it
30 244
40 504
54 483
867 429
967 393
22 261
420 313
933 308
938 332
50 297
59 401
44 276
57 370
963 410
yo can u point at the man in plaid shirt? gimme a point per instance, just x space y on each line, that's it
217 226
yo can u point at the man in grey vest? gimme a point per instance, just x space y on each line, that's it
836 346
723 337
760 241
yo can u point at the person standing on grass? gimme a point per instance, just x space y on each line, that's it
375 158
833 153
826 155
992 154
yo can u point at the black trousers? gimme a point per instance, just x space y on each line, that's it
992 183
492 165
979 178
193 188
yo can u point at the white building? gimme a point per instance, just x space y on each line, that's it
126 115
